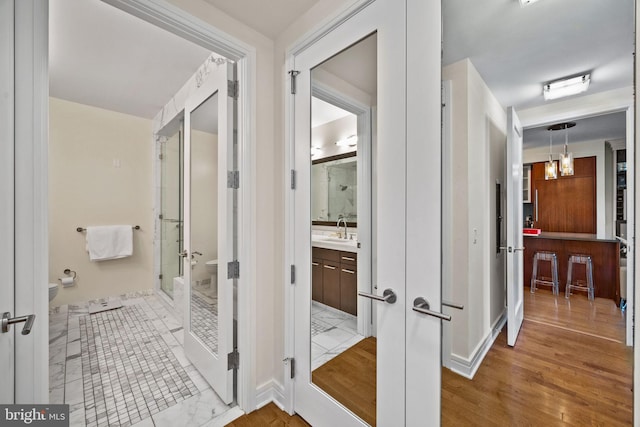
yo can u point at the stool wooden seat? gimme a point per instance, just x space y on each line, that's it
546 281
576 284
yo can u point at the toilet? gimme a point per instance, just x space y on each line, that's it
212 269
53 291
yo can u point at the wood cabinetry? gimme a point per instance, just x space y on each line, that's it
335 279
566 204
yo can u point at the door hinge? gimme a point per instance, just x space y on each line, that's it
293 179
161 156
160 216
233 179
233 360
293 274
160 276
233 88
233 270
292 366
293 74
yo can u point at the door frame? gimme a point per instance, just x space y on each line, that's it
189 27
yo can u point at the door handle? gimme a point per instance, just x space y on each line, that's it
421 305
518 249
536 204
452 304
505 248
388 296
183 254
7 321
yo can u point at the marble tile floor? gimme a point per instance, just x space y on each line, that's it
332 332
101 357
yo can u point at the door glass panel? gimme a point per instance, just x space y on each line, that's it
171 149
204 223
343 341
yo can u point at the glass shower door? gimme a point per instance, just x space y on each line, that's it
171 156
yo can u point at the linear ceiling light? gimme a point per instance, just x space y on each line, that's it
566 87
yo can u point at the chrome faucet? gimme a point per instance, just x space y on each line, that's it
344 220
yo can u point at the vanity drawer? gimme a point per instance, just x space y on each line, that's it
350 258
327 254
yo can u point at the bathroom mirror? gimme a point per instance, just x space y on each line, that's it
343 335
204 223
334 185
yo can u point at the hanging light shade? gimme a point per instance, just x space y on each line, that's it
566 158
550 167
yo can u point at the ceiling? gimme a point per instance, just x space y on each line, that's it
104 57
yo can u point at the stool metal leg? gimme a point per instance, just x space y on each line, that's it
534 274
567 289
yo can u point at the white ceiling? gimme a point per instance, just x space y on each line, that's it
322 112
269 17
104 57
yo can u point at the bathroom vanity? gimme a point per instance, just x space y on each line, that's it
335 278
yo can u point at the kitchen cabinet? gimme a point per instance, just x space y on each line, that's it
335 279
566 204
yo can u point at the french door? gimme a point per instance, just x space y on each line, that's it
23 198
515 249
405 234
209 230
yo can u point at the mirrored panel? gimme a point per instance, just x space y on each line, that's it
204 223
343 336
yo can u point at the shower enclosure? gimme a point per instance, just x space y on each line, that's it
171 215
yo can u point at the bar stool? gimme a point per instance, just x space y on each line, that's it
581 285
553 262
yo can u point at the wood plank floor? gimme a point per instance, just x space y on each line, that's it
562 373
350 378
268 416
569 367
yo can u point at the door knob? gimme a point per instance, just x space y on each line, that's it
388 296
7 321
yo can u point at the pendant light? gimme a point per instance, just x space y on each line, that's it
550 167
566 158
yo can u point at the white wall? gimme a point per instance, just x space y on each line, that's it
478 127
99 174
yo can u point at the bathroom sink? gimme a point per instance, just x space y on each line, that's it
331 242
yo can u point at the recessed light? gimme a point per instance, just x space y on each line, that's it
527 2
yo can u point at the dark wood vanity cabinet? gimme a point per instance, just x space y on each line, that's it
335 279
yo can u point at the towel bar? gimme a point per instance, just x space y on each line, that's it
81 229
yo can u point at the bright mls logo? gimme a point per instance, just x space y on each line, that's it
36 415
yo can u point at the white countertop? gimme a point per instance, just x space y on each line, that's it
335 243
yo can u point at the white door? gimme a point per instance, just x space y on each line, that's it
515 289
23 218
209 230
387 19
6 197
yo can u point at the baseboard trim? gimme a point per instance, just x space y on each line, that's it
271 391
467 367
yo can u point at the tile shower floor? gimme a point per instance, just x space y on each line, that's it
126 367
332 332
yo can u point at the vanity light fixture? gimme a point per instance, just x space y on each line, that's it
566 87
550 167
566 158
350 141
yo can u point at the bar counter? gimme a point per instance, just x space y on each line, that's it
605 256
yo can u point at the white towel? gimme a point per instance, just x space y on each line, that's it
109 242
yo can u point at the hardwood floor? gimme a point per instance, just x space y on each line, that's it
569 367
350 378
268 416
561 372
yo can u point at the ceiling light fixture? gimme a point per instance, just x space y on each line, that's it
566 158
566 87
351 141
527 2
